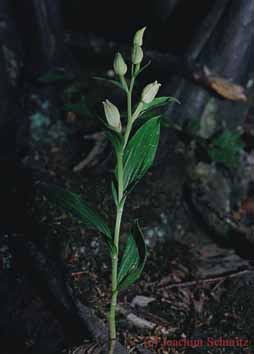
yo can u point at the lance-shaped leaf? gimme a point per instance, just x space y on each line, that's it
142 68
116 140
140 151
74 204
114 193
134 258
113 82
157 102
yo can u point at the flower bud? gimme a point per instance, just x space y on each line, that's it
137 54
138 37
149 92
119 65
112 115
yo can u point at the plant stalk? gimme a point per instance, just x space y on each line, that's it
129 112
119 213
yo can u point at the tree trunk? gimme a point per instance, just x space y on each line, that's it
27 50
226 53
206 29
42 36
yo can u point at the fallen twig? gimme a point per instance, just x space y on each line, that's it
208 280
91 158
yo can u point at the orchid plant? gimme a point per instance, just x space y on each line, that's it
135 149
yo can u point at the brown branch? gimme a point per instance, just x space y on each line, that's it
209 280
91 158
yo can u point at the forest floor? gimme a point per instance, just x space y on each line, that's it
193 297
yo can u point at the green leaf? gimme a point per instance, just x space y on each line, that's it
117 142
53 76
129 260
143 68
115 139
158 102
74 204
79 108
144 118
114 193
114 82
133 259
140 151
226 148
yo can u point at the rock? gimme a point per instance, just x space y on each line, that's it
141 301
140 322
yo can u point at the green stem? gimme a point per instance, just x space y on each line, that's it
119 213
124 83
129 112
